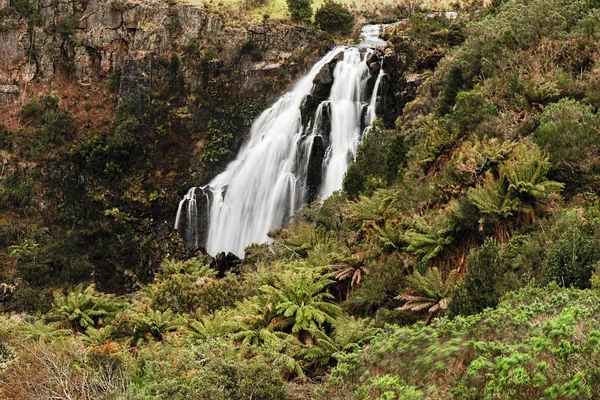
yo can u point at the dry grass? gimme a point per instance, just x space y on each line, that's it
91 106
277 9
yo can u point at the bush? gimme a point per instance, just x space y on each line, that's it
16 191
571 261
58 127
479 291
171 372
334 17
368 172
300 9
31 113
568 132
5 138
453 82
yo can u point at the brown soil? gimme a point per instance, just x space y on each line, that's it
91 106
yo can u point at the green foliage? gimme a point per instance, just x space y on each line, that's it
525 348
205 373
31 112
117 5
190 286
334 17
16 191
6 142
294 301
155 324
26 8
429 292
84 307
300 9
175 82
426 240
222 128
454 81
572 259
367 173
55 258
568 132
378 288
57 127
481 280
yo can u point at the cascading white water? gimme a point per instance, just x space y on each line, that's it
349 79
373 102
267 181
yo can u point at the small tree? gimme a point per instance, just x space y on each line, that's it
483 273
572 259
300 9
334 17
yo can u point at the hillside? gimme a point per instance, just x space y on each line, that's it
458 261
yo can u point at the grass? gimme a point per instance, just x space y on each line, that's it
277 9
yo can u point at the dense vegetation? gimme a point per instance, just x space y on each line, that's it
459 261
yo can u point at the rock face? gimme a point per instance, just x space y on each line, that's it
8 93
91 38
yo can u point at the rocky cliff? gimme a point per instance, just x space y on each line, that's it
91 39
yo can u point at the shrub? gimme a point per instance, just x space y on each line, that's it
368 172
334 17
58 127
568 132
170 372
26 8
31 113
571 260
378 288
483 275
16 191
31 300
5 138
300 9
453 82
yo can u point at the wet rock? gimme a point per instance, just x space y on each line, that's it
315 168
224 263
334 61
324 77
372 57
374 67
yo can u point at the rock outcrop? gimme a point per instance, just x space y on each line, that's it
91 38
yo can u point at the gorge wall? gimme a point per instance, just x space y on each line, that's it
91 39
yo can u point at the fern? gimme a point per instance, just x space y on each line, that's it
84 308
427 240
429 292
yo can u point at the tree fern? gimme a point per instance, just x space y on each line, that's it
155 323
526 174
84 307
492 199
429 292
428 240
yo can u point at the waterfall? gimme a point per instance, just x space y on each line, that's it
373 102
283 162
346 105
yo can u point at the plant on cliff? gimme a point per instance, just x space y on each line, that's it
334 17
300 10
